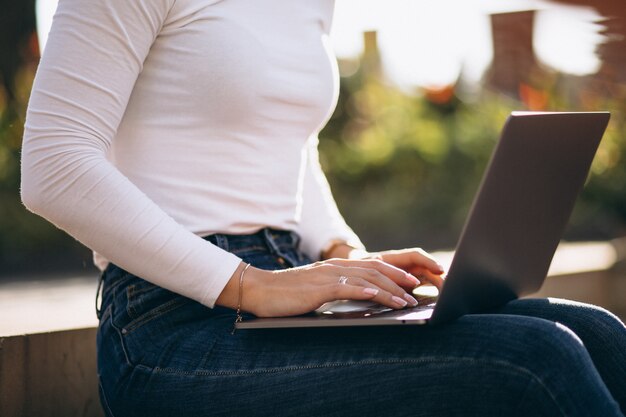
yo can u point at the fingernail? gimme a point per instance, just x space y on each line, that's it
441 268
399 301
370 291
413 278
410 299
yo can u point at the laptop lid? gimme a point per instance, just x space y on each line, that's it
527 194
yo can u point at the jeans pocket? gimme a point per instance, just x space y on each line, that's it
176 335
146 302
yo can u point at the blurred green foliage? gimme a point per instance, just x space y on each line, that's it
403 166
28 243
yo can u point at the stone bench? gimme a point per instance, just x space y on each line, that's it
48 348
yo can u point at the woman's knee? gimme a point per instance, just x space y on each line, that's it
543 340
535 346
583 319
551 366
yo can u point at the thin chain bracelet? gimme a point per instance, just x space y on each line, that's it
239 317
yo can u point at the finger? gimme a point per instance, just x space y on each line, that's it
370 255
427 276
357 292
397 275
388 294
413 257
394 296
428 261
369 276
348 292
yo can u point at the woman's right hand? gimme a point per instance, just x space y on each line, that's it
294 291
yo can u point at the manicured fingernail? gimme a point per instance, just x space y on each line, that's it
399 301
370 291
413 278
410 299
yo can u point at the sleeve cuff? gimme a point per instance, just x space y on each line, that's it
222 274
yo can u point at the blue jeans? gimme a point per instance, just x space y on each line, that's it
161 354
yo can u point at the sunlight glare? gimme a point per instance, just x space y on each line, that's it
567 41
431 43
44 10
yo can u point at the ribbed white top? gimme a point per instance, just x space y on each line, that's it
154 122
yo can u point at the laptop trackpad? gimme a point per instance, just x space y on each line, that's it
351 307
426 295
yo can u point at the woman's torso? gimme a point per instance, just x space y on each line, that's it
215 128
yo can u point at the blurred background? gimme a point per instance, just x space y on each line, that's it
426 87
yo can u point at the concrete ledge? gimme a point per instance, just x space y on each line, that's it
603 288
38 306
49 374
570 258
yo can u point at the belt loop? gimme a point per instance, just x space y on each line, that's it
99 296
221 241
295 239
269 239
283 258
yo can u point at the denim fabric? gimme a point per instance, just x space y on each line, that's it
161 354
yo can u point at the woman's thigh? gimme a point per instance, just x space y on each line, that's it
483 365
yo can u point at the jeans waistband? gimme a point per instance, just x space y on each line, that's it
276 241
273 238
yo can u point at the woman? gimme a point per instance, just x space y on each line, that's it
177 139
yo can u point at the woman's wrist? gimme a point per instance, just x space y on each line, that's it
250 288
343 250
256 288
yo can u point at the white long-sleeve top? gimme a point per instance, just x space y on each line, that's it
154 122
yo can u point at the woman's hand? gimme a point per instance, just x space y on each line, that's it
300 290
415 261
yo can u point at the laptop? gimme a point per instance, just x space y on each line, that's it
526 196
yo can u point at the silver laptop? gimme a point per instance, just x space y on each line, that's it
518 216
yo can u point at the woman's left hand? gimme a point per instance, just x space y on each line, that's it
415 261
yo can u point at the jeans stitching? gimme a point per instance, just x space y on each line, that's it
132 292
106 314
113 284
252 248
105 401
154 313
447 360
121 338
537 379
428 360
